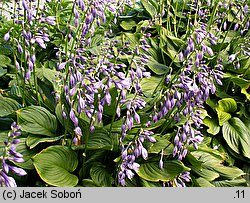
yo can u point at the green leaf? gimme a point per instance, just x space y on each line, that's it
150 9
2 71
23 149
8 106
202 182
212 124
161 143
5 61
228 105
239 182
99 140
237 136
150 171
206 173
128 24
224 108
100 175
212 163
226 172
37 120
157 67
148 85
89 183
240 82
46 75
55 165
33 140
223 117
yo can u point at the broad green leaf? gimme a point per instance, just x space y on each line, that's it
237 136
226 172
37 120
150 184
246 169
100 175
33 140
89 183
212 163
128 24
245 92
100 139
150 9
5 60
8 106
23 149
224 108
209 151
46 75
228 105
243 83
206 173
239 182
150 171
148 85
2 71
202 182
161 143
3 136
223 117
157 67
55 165
194 161
212 124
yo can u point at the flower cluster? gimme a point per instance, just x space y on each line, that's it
129 154
34 31
8 154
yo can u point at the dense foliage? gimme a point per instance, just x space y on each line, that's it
125 93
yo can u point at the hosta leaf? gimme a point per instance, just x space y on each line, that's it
99 140
5 60
100 175
212 163
223 117
212 124
37 120
237 136
89 183
23 149
8 106
128 24
150 171
162 143
206 173
202 182
150 9
224 108
148 85
239 182
2 71
157 67
228 105
33 140
55 165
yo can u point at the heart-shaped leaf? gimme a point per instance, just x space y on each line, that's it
55 164
150 171
237 136
37 120
100 175
8 106
33 140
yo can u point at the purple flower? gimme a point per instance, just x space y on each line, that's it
7 36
